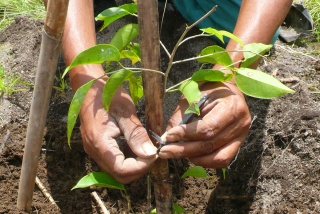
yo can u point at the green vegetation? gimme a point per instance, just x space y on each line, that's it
10 9
8 83
105 180
314 9
61 84
250 81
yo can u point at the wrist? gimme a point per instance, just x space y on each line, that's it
83 74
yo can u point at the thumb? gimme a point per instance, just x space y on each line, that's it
137 137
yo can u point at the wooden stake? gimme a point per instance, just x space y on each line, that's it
50 48
153 91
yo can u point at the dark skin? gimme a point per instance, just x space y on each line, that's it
213 141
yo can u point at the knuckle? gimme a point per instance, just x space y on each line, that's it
179 154
206 147
209 128
137 133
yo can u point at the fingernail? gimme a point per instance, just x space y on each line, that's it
148 149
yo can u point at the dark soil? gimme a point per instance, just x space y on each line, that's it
277 170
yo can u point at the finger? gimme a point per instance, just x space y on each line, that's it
220 158
214 91
112 160
131 169
135 134
212 123
204 147
137 137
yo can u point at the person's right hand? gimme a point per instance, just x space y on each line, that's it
100 128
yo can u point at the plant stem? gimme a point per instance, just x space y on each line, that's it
212 54
179 42
140 70
176 85
193 37
165 49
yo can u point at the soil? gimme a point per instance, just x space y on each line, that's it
277 170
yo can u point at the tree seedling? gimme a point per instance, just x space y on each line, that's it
251 82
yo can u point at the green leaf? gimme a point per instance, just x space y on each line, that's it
232 36
135 47
252 52
95 55
213 32
114 13
136 88
259 84
177 209
75 107
215 55
193 109
124 36
192 93
154 211
210 75
99 179
196 171
133 53
130 55
221 33
112 84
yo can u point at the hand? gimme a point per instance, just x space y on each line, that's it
214 140
99 130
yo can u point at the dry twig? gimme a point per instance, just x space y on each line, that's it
45 192
100 203
4 140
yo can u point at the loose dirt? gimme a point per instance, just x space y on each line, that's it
277 170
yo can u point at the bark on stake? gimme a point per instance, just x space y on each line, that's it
153 90
47 65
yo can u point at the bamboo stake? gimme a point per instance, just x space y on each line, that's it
50 48
153 88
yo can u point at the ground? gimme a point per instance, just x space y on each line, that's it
277 170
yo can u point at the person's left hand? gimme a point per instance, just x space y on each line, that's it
212 141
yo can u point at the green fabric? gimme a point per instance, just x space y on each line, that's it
224 18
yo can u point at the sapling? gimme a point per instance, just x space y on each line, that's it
252 82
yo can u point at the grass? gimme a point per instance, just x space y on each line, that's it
314 9
8 83
10 9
